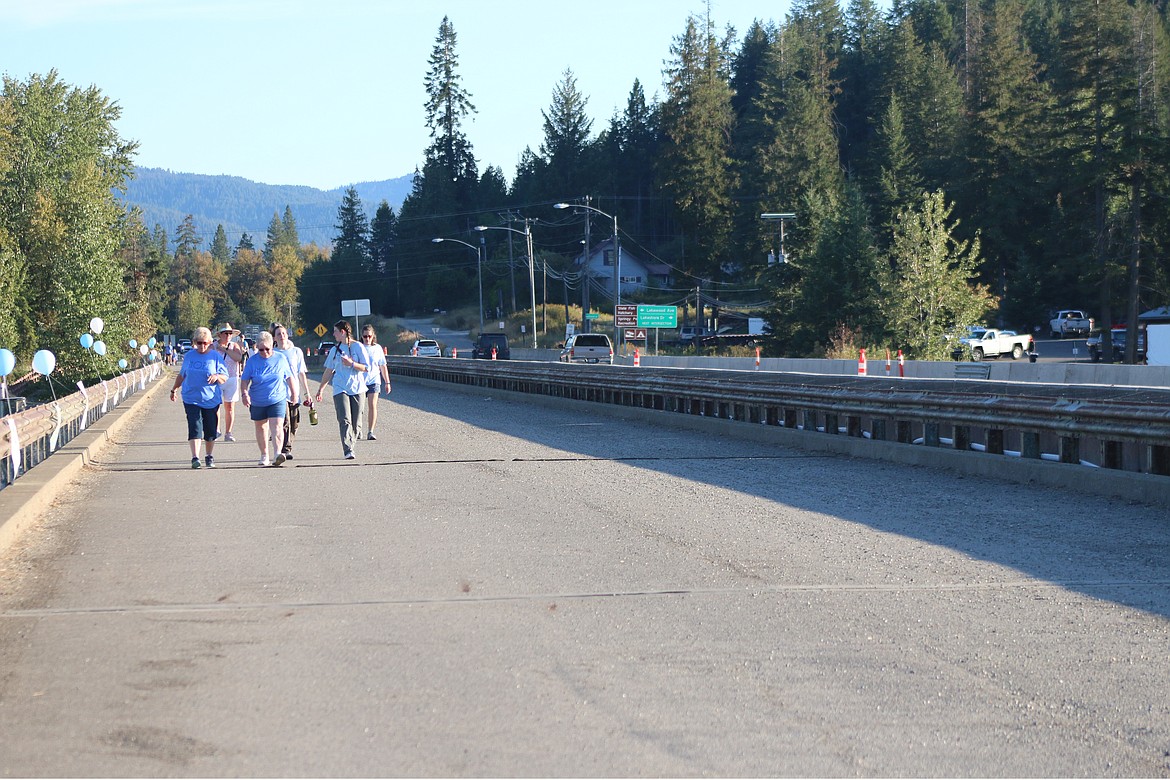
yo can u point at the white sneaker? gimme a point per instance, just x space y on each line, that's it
229 437
264 462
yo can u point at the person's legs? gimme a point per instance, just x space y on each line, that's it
345 426
262 439
355 410
371 411
292 421
229 416
210 431
194 428
277 427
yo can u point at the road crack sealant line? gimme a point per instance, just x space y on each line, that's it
226 606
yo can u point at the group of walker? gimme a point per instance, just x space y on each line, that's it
271 382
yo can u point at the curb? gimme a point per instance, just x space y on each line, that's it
23 502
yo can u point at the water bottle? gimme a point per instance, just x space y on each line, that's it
312 412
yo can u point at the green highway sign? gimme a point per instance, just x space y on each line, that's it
657 316
592 315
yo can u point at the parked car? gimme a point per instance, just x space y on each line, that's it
426 348
1070 322
483 347
688 333
990 342
184 345
587 348
324 347
1117 336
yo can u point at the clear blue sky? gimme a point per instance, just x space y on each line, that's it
330 92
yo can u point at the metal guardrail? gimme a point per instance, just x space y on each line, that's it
1115 427
42 430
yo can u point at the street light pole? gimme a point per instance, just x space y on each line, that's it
781 217
478 268
617 269
527 233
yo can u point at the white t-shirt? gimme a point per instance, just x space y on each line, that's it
377 360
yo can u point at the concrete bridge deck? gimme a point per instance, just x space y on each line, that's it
493 588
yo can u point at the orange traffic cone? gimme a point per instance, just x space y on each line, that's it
637 358
861 364
493 353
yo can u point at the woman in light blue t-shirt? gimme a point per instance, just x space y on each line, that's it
345 369
200 382
266 387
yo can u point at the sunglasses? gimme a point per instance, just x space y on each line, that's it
203 343
263 350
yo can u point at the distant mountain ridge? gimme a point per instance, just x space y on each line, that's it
243 206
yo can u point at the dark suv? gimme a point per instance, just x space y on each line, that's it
483 347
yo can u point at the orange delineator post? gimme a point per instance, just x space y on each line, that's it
887 362
493 353
757 358
901 365
861 364
637 358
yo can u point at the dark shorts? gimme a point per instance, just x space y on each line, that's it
202 423
258 413
372 389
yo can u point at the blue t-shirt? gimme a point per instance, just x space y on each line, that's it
196 368
267 374
345 378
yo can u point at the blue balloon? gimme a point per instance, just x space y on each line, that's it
133 343
86 340
122 364
152 342
99 347
7 362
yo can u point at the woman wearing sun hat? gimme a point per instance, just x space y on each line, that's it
231 346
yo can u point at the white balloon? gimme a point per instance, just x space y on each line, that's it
7 362
99 347
143 349
96 325
44 362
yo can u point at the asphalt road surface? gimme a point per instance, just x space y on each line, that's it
499 589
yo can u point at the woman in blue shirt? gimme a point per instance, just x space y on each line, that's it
345 369
266 388
201 378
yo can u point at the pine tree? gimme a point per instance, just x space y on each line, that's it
696 165
383 237
860 77
566 140
351 248
448 104
898 183
931 290
1007 158
220 249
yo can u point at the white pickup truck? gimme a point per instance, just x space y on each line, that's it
1070 322
990 342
